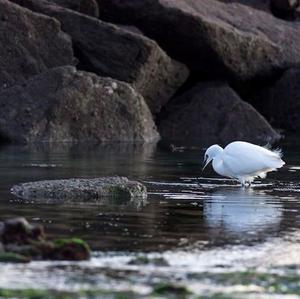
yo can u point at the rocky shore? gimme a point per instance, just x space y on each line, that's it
182 70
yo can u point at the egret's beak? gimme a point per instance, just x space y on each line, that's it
206 161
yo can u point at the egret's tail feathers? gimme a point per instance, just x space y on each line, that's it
276 163
278 152
268 146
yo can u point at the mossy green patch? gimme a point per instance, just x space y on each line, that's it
170 289
10 257
75 241
50 294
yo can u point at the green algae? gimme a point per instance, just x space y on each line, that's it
10 257
170 289
51 294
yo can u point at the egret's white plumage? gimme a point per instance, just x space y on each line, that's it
243 161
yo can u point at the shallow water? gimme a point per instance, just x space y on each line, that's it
200 225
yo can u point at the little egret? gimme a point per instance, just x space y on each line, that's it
243 161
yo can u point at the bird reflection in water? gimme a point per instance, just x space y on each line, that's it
242 211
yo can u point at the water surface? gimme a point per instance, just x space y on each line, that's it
197 223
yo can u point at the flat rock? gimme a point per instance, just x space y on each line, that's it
109 50
25 48
280 102
66 105
213 113
88 7
80 189
215 39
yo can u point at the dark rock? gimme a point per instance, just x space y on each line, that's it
19 231
2 226
70 249
65 105
257 4
213 113
132 29
285 9
280 103
61 249
25 48
108 50
24 242
80 189
88 7
228 40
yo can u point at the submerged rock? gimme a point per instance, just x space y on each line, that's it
19 231
213 38
80 189
66 105
109 50
23 242
213 113
30 44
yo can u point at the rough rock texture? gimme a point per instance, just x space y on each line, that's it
66 105
213 113
88 7
19 231
22 242
214 38
25 48
280 103
108 50
258 4
80 189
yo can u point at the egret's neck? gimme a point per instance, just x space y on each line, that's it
218 165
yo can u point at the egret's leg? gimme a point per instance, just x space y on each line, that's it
242 181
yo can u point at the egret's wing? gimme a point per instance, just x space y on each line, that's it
245 158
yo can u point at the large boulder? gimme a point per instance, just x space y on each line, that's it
213 113
280 102
80 189
108 50
65 105
88 7
213 38
30 44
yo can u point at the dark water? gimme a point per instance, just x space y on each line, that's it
184 206
210 236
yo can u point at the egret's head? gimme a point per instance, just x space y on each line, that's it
211 153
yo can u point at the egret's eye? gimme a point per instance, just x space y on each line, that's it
205 157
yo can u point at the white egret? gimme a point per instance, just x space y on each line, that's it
243 161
